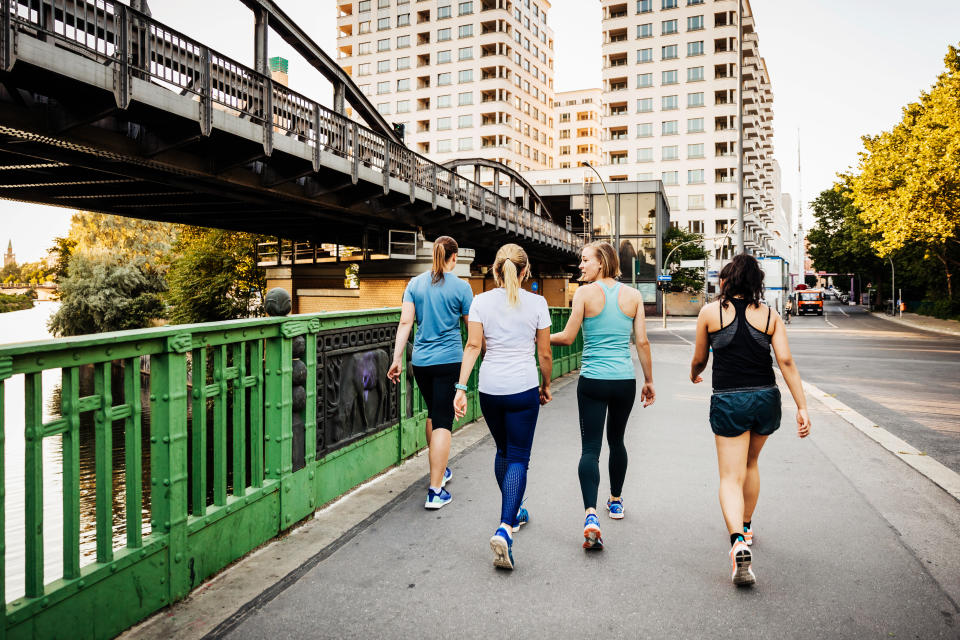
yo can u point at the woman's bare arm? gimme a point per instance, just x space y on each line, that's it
647 392
781 348
701 348
570 331
545 356
471 351
408 313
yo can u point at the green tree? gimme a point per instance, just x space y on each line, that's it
908 185
215 275
62 249
689 279
99 295
114 274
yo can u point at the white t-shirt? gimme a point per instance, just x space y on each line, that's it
511 333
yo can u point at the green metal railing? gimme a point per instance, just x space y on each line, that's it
226 469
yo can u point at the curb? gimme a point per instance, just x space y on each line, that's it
907 323
941 475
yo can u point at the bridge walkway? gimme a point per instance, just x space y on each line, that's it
851 543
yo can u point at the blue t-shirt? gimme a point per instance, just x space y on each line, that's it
439 309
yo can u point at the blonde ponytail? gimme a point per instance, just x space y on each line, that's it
443 248
510 268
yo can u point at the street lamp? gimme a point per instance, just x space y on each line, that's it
606 196
893 288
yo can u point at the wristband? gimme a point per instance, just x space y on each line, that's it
461 387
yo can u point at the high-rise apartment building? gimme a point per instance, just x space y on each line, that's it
670 112
578 127
469 78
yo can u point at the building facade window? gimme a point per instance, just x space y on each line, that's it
695 48
443 124
668 4
444 12
669 52
669 128
403 106
403 42
383 108
670 152
464 144
363 6
465 75
465 30
383 24
363 69
645 130
444 79
670 177
383 87
443 146
644 6
445 56
695 99
668 103
363 49
645 30
644 105
403 20
403 84
695 125
465 53
444 35
695 150
694 74
695 201
465 8
668 27
465 121
444 101
695 176
383 44
383 66
403 63
464 99
668 77
645 154
363 27
644 80
694 23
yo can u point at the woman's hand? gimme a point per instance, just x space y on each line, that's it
695 378
460 403
545 395
803 423
394 372
647 394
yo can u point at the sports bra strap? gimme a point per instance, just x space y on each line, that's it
768 320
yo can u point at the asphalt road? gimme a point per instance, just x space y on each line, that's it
906 380
851 543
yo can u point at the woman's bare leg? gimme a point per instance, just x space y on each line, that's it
751 485
732 463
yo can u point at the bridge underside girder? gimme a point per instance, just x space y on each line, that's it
64 143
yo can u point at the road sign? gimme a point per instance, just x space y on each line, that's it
692 264
665 278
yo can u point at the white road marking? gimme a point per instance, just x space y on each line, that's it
840 309
682 338
944 477
830 323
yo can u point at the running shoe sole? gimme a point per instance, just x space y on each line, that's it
436 505
593 541
743 575
615 516
446 478
501 553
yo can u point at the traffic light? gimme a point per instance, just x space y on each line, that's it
398 128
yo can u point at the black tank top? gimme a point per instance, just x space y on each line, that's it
741 354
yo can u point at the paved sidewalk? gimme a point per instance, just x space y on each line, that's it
927 323
851 543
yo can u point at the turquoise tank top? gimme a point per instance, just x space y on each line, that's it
606 341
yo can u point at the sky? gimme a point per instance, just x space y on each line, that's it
839 70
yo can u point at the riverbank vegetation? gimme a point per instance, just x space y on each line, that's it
15 302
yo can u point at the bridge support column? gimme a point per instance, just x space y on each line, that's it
260 29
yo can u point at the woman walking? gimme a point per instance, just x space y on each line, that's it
607 388
745 406
437 299
511 322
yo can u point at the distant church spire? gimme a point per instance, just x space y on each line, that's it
8 257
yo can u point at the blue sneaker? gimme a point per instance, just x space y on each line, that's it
447 475
615 507
523 517
502 545
437 499
591 533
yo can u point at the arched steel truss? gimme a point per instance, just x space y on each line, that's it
528 192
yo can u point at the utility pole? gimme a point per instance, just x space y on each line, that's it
740 129
801 252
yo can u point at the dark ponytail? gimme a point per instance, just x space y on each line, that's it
742 277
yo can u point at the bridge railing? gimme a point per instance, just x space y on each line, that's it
197 443
142 47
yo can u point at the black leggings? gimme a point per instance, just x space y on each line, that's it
594 398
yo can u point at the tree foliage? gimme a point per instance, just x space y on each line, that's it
114 274
99 295
908 185
841 242
215 276
690 280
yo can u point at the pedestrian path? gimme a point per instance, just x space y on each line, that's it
927 323
851 543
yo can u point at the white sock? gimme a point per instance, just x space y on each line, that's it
435 489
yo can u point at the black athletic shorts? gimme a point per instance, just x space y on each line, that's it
436 383
733 413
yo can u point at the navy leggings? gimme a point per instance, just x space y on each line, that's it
511 420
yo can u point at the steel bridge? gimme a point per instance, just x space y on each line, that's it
103 108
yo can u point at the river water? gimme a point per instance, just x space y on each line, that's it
25 326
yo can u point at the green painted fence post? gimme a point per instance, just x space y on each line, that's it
168 458
6 370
